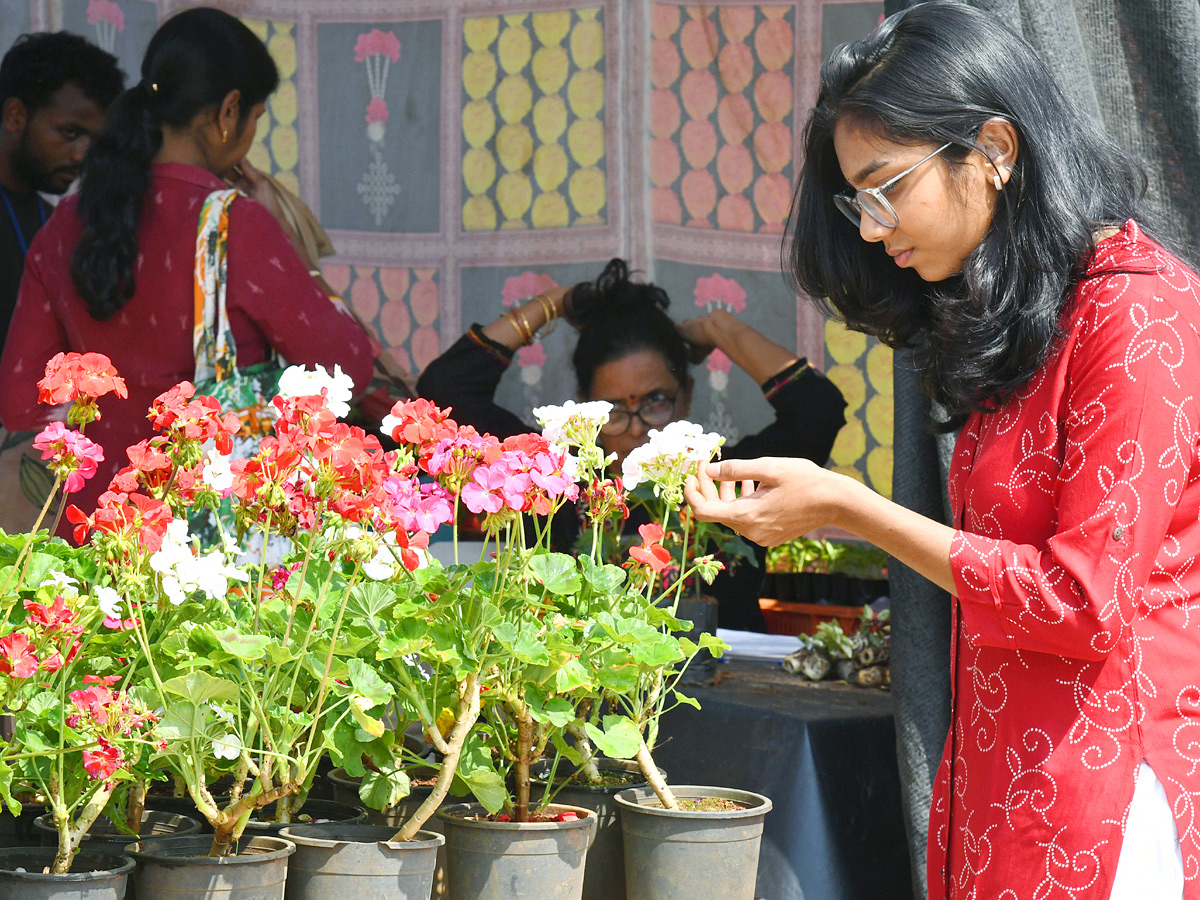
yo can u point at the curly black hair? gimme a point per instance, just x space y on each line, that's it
616 317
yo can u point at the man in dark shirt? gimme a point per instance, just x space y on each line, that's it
54 90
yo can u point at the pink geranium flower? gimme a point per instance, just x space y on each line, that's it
73 457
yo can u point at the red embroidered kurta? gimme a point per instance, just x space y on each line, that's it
273 302
1076 649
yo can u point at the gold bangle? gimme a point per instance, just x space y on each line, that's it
525 322
550 312
511 319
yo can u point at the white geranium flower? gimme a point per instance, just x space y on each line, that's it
110 602
217 473
297 381
572 423
227 747
184 573
669 456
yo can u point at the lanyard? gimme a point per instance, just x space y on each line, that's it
12 214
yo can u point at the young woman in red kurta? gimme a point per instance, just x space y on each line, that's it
993 232
112 271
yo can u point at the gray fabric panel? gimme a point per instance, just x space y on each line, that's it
920 617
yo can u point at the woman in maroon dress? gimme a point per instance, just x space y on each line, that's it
993 231
112 271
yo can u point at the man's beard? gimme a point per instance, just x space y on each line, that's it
33 172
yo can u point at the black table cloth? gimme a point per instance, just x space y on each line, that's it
826 756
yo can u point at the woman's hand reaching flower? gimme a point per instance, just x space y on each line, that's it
770 501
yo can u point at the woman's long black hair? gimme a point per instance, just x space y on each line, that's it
193 61
617 317
929 75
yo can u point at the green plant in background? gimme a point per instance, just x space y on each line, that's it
851 558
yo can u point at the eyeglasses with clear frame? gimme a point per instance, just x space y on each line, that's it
872 200
656 409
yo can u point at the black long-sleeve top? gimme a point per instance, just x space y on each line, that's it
809 412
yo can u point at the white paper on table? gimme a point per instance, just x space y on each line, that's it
756 645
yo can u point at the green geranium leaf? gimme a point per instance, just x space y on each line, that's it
690 701
369 600
564 749
368 683
572 675
183 720
604 579
346 749
42 703
557 710
200 687
487 786
248 647
557 572
620 738
657 651
529 648
384 789
713 644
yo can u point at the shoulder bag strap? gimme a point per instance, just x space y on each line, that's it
212 341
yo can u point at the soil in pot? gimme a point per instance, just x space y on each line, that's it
179 868
516 861
336 861
604 872
669 852
93 875
312 812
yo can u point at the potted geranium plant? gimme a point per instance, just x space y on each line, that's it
80 729
259 670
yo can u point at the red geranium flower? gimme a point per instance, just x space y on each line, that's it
652 553
100 764
16 656
71 376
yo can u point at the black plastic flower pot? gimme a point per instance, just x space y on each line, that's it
93 875
337 861
515 860
313 812
604 872
179 868
104 835
18 831
668 853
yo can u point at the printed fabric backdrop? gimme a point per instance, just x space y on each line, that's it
466 154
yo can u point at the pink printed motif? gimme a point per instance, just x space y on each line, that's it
108 19
105 11
378 187
1076 620
717 290
532 355
377 43
377 110
527 284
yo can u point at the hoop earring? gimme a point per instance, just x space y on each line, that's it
997 182
225 140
